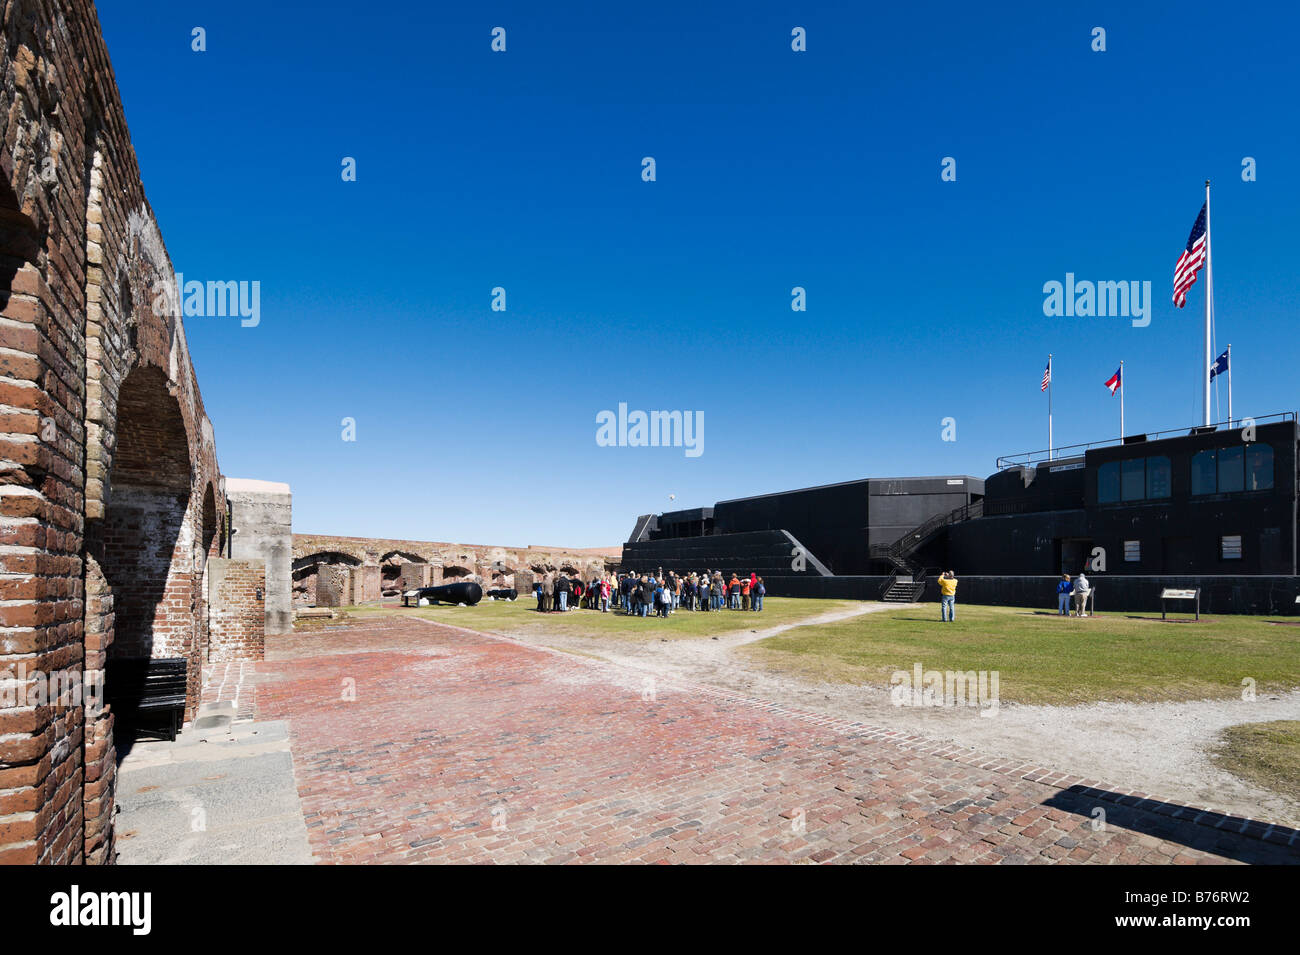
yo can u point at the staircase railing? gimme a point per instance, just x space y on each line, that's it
901 551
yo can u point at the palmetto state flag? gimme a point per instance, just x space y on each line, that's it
1220 365
1190 262
1113 382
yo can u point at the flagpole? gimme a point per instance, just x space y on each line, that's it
1121 401
1229 383
1209 297
1049 407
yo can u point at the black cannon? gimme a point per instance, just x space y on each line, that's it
462 592
503 594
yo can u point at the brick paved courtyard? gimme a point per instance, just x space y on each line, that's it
416 742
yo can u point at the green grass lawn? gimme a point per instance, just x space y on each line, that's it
1266 754
521 617
1043 658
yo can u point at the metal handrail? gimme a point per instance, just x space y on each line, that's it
1026 458
899 552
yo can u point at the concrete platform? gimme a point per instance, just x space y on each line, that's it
222 793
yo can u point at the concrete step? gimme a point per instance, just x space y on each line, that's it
213 719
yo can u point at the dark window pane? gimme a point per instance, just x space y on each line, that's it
1108 483
1133 478
1231 476
1259 467
1203 473
1159 476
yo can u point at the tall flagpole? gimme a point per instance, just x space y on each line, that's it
1121 401
1049 407
1209 298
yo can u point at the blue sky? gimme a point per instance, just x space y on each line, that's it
775 169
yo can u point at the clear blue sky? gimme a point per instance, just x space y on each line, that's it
775 169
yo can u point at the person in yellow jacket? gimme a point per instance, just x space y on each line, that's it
948 596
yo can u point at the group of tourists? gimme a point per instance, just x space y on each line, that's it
640 595
1076 591
557 593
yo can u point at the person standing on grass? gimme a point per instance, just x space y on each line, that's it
634 597
1081 588
1063 590
948 597
759 591
647 595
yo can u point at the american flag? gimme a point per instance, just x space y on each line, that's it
1047 376
1190 262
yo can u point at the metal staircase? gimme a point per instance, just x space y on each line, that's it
907 582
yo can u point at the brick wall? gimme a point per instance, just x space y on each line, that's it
331 586
105 451
429 562
236 609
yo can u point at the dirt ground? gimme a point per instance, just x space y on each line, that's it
1160 748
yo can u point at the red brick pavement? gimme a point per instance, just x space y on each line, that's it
458 747
231 682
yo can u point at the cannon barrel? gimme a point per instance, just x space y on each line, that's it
462 592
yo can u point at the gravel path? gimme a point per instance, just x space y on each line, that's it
1161 748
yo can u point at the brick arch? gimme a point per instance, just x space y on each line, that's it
403 555
354 550
307 570
326 557
143 546
213 524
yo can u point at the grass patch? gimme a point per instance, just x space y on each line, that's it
520 617
1265 754
1043 658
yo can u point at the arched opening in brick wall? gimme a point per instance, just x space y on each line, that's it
211 542
324 579
209 545
143 547
454 572
390 579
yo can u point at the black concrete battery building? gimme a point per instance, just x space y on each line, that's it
831 530
1209 501
1212 507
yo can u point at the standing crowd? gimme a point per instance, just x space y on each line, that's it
640 595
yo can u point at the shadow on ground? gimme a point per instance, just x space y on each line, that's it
1243 840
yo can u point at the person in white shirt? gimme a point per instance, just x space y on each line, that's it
1081 588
